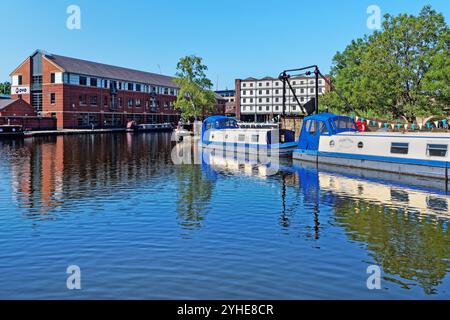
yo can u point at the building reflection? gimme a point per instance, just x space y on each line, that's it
46 172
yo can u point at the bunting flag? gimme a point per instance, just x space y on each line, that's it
398 126
356 118
420 126
386 125
413 126
436 123
393 126
380 124
406 126
368 122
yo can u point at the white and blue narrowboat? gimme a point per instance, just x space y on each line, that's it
220 132
333 139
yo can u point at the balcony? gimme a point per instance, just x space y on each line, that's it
36 86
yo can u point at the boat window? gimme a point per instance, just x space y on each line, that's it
241 137
323 129
344 123
399 147
312 128
437 150
255 138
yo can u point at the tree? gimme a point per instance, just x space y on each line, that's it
195 97
5 88
399 72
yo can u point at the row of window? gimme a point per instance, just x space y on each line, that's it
119 85
275 108
93 101
279 92
260 100
433 150
279 83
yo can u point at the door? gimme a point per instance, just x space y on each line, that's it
310 136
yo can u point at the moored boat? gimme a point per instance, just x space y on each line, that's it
333 139
150 127
11 131
220 132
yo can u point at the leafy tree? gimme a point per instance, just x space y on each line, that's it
5 88
400 71
195 97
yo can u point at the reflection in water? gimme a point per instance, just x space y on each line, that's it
403 229
194 195
47 172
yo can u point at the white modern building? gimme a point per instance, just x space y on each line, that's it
262 99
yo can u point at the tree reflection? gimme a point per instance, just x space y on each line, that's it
194 194
400 243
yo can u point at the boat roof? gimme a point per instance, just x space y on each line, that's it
324 116
215 118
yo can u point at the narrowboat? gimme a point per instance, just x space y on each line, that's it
11 131
220 132
150 127
333 139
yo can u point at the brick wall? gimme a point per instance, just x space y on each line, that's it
25 71
32 123
18 108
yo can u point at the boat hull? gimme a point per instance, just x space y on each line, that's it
415 167
281 149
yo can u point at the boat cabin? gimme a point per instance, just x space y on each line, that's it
323 124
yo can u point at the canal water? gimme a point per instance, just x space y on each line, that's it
139 226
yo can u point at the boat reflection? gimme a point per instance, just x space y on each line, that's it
404 229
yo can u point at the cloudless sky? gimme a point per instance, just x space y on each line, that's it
236 38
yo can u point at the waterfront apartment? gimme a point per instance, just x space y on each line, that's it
80 93
262 99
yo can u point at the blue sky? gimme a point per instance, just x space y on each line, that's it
236 38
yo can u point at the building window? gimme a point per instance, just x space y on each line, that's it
82 99
138 103
19 80
130 103
93 82
260 91
138 87
251 92
83 81
52 78
166 90
293 83
251 85
130 87
93 100
105 103
267 99
251 99
120 101
277 99
105 83
255 138
267 91
311 90
267 108
260 84
52 98
260 100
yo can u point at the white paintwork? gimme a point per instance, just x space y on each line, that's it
379 144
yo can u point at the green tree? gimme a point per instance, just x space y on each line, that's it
400 71
5 88
195 97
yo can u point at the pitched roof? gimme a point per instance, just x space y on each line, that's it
6 102
89 68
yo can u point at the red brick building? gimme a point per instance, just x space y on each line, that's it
16 108
82 93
